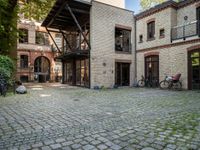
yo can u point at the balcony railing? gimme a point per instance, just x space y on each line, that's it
185 31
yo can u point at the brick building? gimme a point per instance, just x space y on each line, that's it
35 54
99 48
168 42
106 45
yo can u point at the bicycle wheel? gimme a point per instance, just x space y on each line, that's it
164 84
141 83
177 86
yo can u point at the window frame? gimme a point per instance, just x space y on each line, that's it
140 38
23 62
163 34
23 39
151 30
44 38
125 47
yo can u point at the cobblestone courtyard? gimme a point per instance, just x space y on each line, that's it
62 117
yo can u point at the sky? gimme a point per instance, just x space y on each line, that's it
133 5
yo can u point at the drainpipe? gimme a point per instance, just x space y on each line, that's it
135 82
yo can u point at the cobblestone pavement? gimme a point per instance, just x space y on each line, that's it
62 117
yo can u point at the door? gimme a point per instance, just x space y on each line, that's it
122 74
42 69
152 69
194 70
82 72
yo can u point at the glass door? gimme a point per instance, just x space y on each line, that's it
122 74
194 70
82 72
152 69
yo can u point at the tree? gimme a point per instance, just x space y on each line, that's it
8 20
9 9
36 9
145 4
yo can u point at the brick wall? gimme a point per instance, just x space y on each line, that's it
172 60
33 51
163 20
104 18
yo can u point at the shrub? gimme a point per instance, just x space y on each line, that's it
6 68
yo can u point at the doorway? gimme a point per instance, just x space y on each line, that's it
194 70
152 69
42 69
122 74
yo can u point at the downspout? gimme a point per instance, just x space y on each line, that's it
135 82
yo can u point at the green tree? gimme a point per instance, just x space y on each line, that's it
8 20
33 9
36 9
145 4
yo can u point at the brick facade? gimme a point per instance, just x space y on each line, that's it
104 19
34 51
173 55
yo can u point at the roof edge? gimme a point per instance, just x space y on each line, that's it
164 5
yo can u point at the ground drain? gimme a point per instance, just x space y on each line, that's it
76 100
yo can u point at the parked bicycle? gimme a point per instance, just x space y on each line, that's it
147 82
171 82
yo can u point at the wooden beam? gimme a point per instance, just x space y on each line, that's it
67 42
78 25
53 40
53 18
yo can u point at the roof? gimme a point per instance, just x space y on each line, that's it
60 18
169 3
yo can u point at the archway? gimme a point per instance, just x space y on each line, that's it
42 69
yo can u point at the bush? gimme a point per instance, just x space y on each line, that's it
6 68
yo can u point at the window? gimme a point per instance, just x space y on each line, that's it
23 36
42 38
162 33
58 40
151 30
122 40
24 61
140 38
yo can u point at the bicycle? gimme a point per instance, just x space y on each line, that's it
147 83
171 82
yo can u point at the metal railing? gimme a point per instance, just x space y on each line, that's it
185 31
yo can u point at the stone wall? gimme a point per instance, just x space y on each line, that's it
104 18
